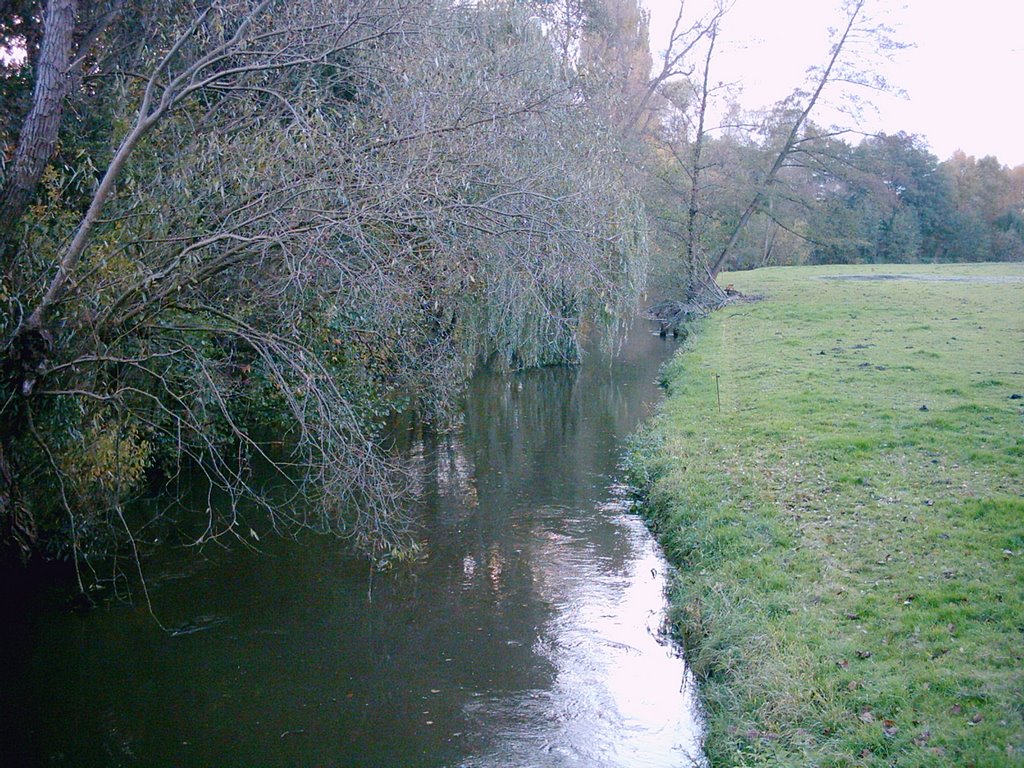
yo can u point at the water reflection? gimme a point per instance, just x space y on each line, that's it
619 695
528 635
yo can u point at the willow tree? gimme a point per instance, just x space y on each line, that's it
290 219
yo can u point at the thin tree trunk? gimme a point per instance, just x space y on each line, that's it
672 62
771 231
788 145
693 257
39 134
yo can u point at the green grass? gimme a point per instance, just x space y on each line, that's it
849 527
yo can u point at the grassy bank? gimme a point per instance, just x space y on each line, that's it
849 523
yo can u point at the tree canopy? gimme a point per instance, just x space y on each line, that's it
284 219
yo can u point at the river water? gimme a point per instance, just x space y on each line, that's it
528 634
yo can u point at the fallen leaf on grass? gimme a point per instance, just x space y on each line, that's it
922 738
866 716
753 734
863 654
977 718
956 709
843 664
889 727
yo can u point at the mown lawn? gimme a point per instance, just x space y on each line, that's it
849 523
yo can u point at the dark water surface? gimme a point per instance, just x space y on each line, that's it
529 634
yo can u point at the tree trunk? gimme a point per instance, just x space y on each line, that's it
36 144
39 134
694 259
791 141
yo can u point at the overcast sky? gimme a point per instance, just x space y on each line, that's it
964 76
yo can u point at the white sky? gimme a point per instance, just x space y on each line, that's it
964 77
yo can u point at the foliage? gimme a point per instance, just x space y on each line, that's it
886 199
772 187
270 226
848 526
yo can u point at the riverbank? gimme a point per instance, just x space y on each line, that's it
516 636
838 472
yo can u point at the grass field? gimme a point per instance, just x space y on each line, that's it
849 521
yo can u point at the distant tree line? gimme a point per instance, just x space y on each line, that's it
885 199
728 189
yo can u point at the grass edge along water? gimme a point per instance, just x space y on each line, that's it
849 527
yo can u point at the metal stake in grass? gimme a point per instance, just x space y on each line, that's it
718 393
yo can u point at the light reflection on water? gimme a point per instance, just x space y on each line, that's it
529 634
620 695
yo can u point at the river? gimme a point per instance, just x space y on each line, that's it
528 633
